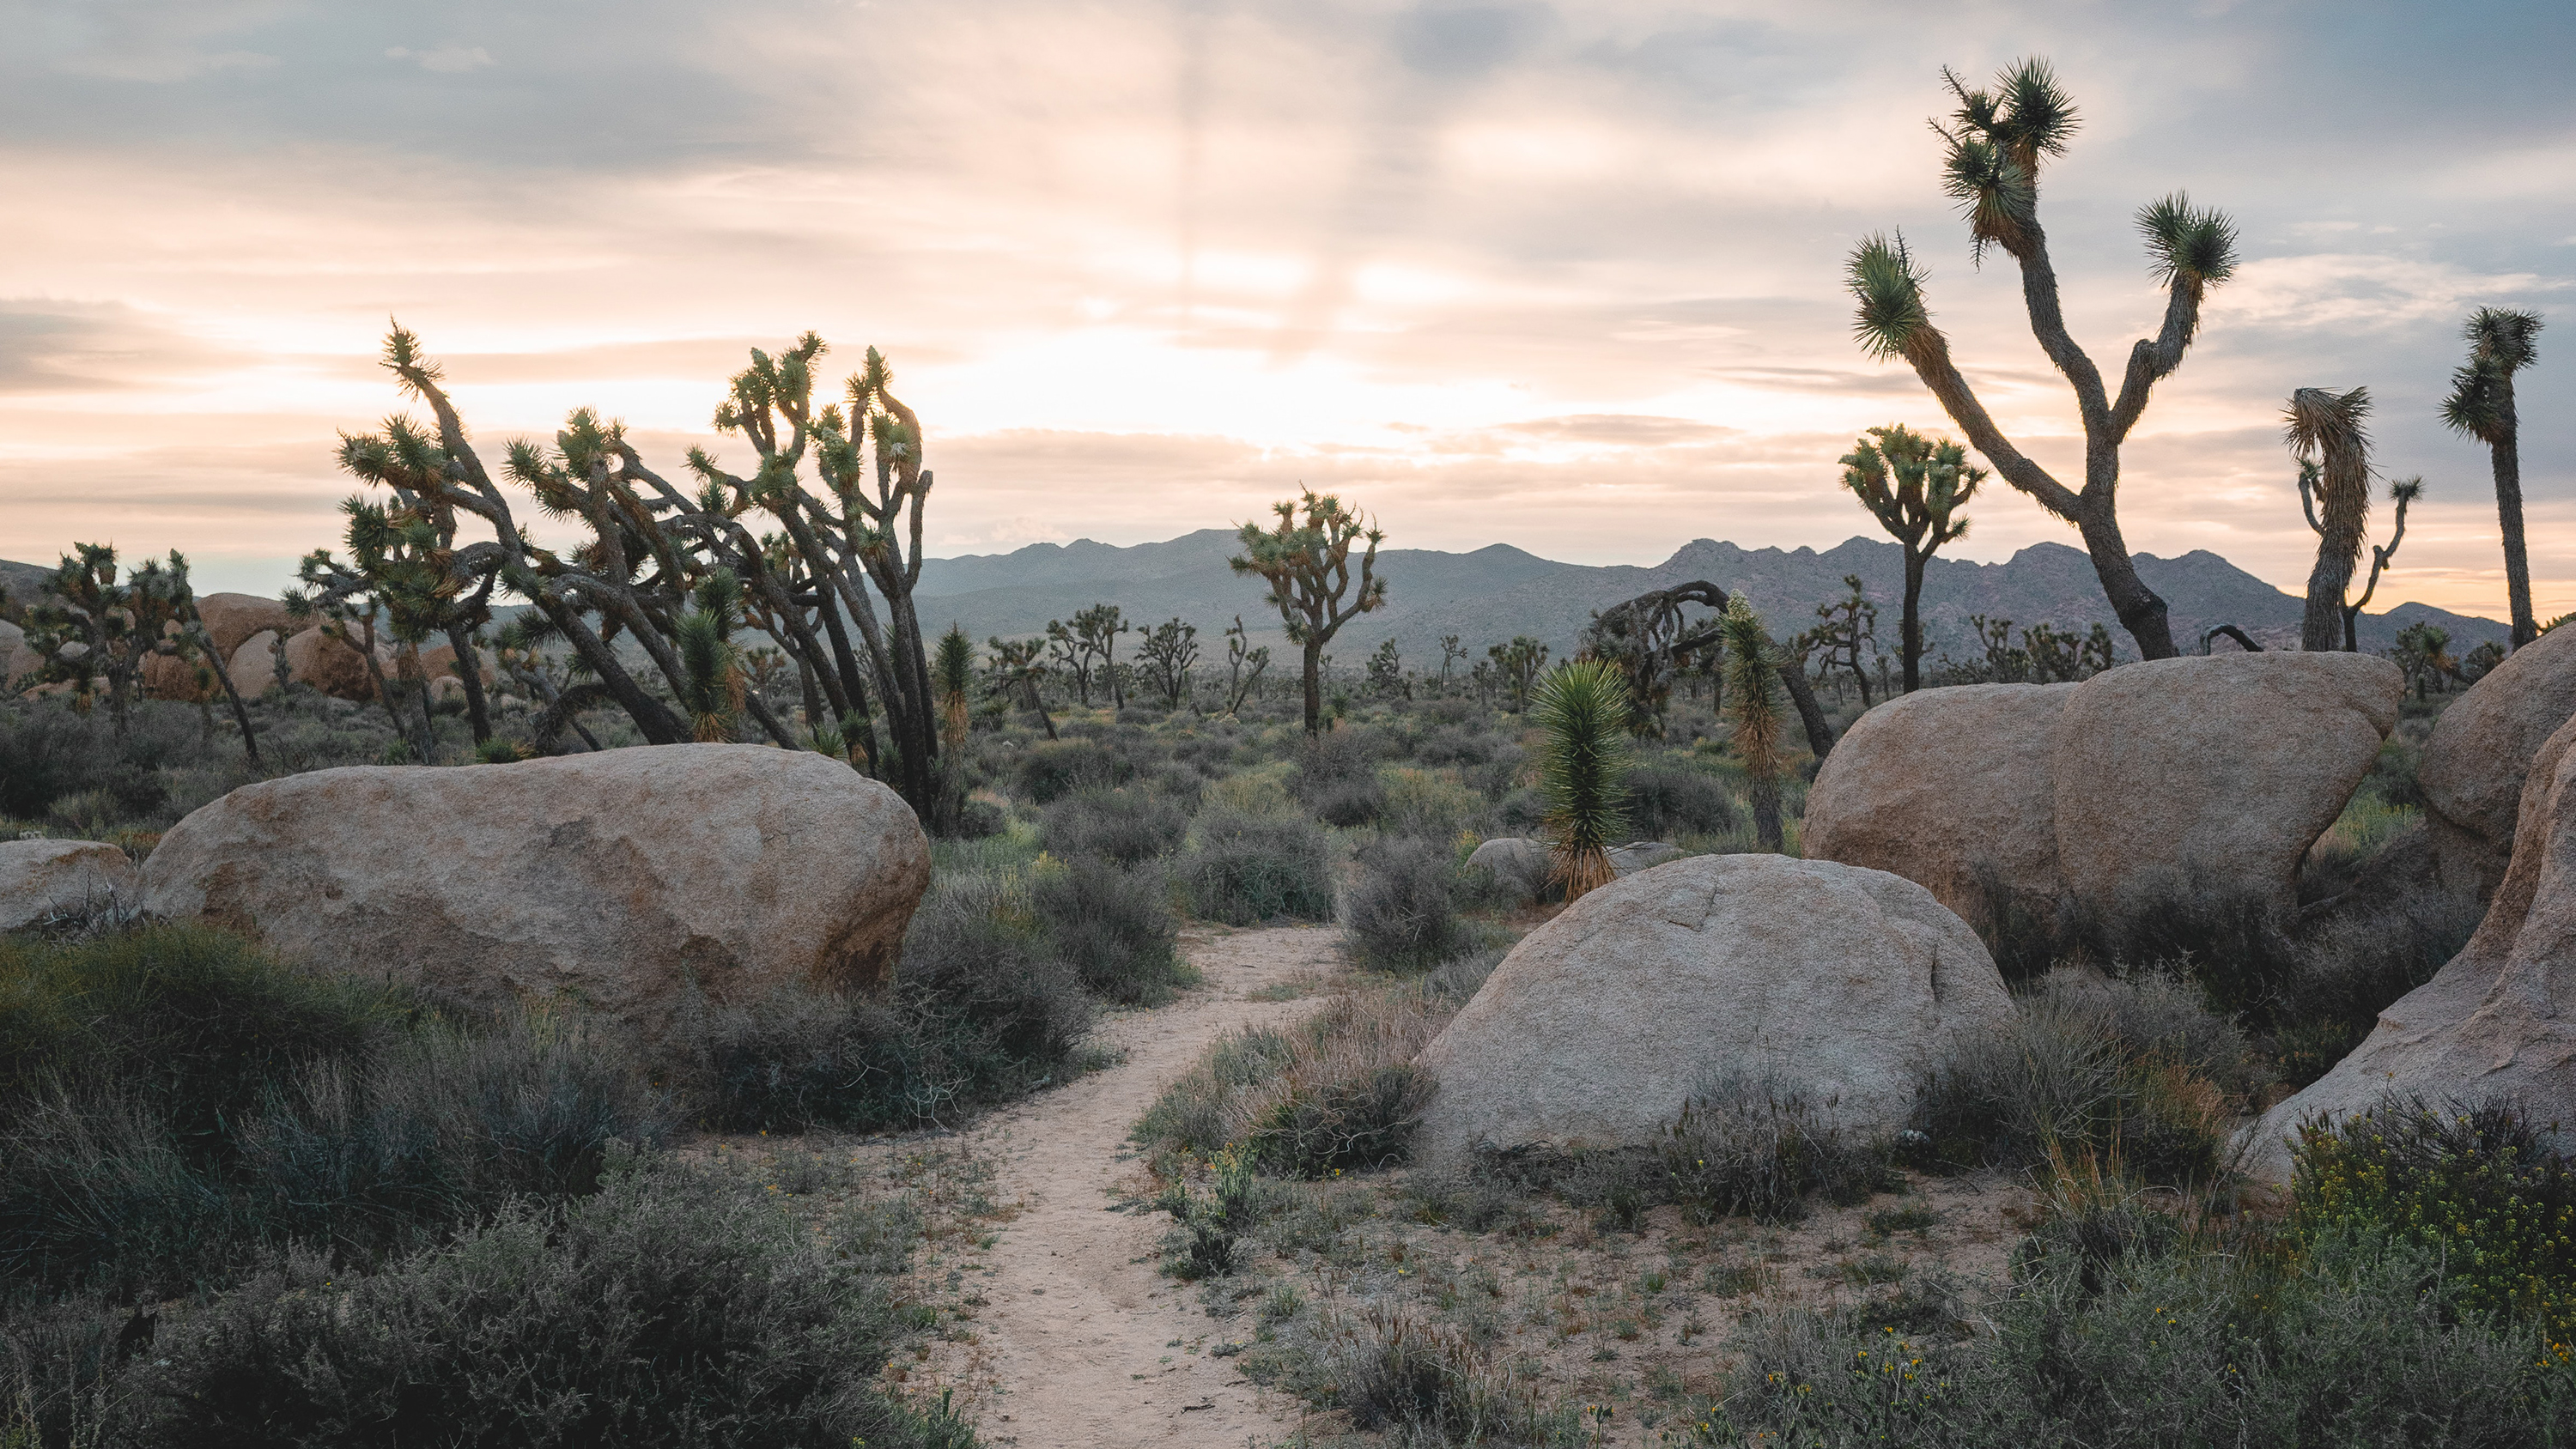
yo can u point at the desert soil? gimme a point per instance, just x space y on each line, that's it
1078 1339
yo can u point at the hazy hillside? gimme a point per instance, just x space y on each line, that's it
1494 593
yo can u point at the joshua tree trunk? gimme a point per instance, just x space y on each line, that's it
1314 669
2506 453
1910 629
1811 716
470 669
2330 424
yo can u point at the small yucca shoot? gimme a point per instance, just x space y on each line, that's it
1582 711
1752 704
954 671
712 687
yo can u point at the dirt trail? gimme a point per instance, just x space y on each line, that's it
1074 1340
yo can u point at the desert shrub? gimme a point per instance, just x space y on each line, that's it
677 1307
982 1008
1758 1148
1057 768
1394 1372
368 1155
1337 1093
1337 779
1259 791
1423 806
2135 1067
1455 744
1665 801
2477 1185
1246 869
2371 949
1403 914
192 1023
1114 927
2159 1343
1208 1225
1126 826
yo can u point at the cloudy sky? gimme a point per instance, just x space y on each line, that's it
1562 277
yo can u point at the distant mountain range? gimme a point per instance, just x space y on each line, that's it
1494 593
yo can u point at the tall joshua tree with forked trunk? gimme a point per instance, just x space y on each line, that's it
1307 562
1915 487
1997 145
2327 428
2403 493
2502 342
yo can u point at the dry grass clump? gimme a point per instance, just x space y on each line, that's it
1336 1093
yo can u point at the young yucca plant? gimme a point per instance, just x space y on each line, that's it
953 673
1753 707
1583 710
712 687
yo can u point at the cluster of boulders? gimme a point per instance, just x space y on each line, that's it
247 630
2196 775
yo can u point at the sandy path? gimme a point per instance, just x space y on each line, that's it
1074 1341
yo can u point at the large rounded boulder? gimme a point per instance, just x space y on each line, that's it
42 878
2479 752
629 883
1955 790
1838 982
2496 1023
2167 778
231 619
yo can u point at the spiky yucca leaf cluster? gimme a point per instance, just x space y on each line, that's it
1582 710
1753 706
712 687
952 674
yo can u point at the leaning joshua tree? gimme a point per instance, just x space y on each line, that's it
1996 148
1307 563
2325 428
1651 638
2403 492
1019 666
2501 343
1914 486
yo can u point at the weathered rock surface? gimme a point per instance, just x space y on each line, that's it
1597 1028
2479 753
439 663
16 659
1519 865
334 666
2174 774
625 882
1639 855
2500 1019
254 664
41 877
166 676
1954 789
232 618
2215 772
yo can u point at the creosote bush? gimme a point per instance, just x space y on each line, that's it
1127 826
1244 869
1057 768
2136 1066
1114 927
1403 914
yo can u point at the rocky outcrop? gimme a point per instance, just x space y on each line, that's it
2499 1021
2479 752
1954 789
232 618
1594 1032
41 878
628 883
2211 772
439 662
254 664
334 666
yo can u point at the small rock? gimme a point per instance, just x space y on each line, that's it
39 878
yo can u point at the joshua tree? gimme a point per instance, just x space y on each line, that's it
2326 428
2423 653
1847 624
1088 649
91 629
2402 492
711 685
1169 651
1752 706
952 682
1018 664
2502 341
1308 567
405 554
1386 671
1243 665
1451 652
1582 710
1792 661
1996 148
1650 638
1915 487
1516 666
